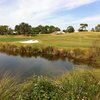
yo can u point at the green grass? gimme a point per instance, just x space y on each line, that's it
72 40
76 85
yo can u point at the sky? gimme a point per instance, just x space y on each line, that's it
60 13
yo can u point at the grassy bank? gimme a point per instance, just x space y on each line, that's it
89 56
45 50
77 85
67 41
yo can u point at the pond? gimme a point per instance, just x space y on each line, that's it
28 66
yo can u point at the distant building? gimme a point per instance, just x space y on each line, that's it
59 32
14 32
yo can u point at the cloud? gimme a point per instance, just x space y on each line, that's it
92 21
77 3
35 11
88 19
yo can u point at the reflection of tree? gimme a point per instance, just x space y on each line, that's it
49 57
78 56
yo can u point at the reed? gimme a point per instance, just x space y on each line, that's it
25 49
8 87
76 85
91 55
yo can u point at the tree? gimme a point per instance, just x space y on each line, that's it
23 28
53 29
83 27
39 30
4 30
45 29
35 31
70 29
97 28
57 29
64 30
92 30
10 31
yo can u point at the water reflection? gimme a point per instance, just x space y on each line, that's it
45 56
27 66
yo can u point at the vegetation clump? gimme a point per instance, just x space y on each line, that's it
76 85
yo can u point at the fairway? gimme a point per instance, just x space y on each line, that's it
68 40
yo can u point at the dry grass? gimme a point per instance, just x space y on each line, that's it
76 85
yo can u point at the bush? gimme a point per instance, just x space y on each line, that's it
39 88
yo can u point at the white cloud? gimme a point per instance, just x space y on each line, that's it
77 3
88 19
92 21
34 11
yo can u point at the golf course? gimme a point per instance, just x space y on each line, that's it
82 40
49 49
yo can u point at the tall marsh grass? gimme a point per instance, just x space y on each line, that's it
49 50
90 56
76 85
8 87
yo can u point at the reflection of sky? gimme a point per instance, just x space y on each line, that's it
30 66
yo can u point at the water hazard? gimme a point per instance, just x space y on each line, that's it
28 66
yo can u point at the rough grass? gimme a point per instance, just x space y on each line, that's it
72 40
77 85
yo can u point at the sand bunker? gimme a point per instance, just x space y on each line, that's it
30 41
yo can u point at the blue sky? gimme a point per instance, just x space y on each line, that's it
61 13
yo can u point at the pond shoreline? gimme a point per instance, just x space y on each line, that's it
78 54
47 50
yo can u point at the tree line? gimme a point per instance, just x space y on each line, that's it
26 29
